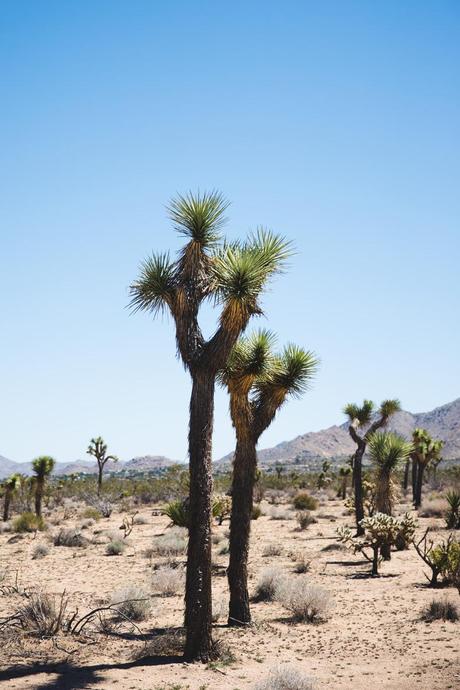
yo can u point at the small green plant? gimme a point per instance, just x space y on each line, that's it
406 532
91 514
256 512
178 511
440 610
453 512
115 547
442 559
303 501
28 522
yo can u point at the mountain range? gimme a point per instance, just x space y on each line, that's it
332 443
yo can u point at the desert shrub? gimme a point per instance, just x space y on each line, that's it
168 581
172 543
115 547
307 603
70 537
28 522
272 549
440 610
5 527
91 514
140 520
274 496
221 508
302 563
219 610
279 513
443 559
224 549
303 501
42 616
266 584
453 512
256 512
178 511
285 678
305 519
216 538
433 508
40 551
132 602
100 505
86 524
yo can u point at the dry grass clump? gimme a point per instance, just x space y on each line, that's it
140 520
433 508
302 563
86 524
440 610
115 547
305 519
307 603
39 551
172 543
167 581
70 537
132 603
91 514
28 522
303 501
42 616
279 513
266 584
5 527
219 610
285 678
272 549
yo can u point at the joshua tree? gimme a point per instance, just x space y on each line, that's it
98 449
425 451
233 276
258 382
387 451
10 486
361 417
344 473
42 467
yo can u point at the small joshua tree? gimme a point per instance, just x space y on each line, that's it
344 473
453 513
42 467
360 417
426 452
380 530
10 486
387 451
98 449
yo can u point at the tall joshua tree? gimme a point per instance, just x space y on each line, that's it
10 486
98 449
360 417
42 467
425 451
258 382
387 452
233 276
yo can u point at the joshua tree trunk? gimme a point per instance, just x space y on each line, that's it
198 598
99 479
375 561
344 488
359 503
6 505
406 476
414 478
383 505
38 497
244 473
418 485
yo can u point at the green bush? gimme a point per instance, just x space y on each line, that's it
91 514
115 547
28 522
440 610
453 513
303 501
178 511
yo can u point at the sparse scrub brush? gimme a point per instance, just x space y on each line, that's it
433 508
91 514
256 512
305 519
285 678
307 603
132 603
266 584
167 581
277 513
303 501
70 537
272 550
28 522
40 551
41 616
440 610
115 547
172 543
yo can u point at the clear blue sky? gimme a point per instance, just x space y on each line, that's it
334 123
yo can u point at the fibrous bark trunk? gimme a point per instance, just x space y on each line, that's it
38 497
359 503
244 474
406 476
99 480
6 505
418 485
414 478
198 598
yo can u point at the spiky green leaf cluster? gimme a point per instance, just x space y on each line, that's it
153 291
200 217
387 450
291 372
43 466
361 413
389 407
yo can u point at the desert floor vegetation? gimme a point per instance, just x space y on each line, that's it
363 633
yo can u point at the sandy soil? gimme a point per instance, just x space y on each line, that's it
374 638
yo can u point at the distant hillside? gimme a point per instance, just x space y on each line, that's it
146 463
335 442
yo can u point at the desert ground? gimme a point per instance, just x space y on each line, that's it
374 636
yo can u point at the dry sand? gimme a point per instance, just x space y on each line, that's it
374 638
